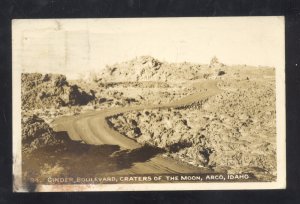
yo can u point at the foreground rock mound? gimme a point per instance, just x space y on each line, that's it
51 90
36 133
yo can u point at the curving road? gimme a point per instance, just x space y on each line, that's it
92 128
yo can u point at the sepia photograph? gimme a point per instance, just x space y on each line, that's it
140 104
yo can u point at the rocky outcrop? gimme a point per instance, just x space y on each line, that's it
36 133
51 90
146 68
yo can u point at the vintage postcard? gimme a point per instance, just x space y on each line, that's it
141 104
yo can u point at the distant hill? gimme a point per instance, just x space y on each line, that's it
147 68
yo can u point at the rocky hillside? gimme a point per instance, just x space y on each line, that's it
51 90
146 68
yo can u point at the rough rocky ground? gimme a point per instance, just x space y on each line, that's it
233 131
51 90
147 68
36 133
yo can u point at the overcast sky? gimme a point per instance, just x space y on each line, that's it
87 45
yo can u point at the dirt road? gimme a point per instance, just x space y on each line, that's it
93 129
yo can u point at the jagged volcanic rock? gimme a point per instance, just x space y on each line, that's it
146 68
51 90
36 133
